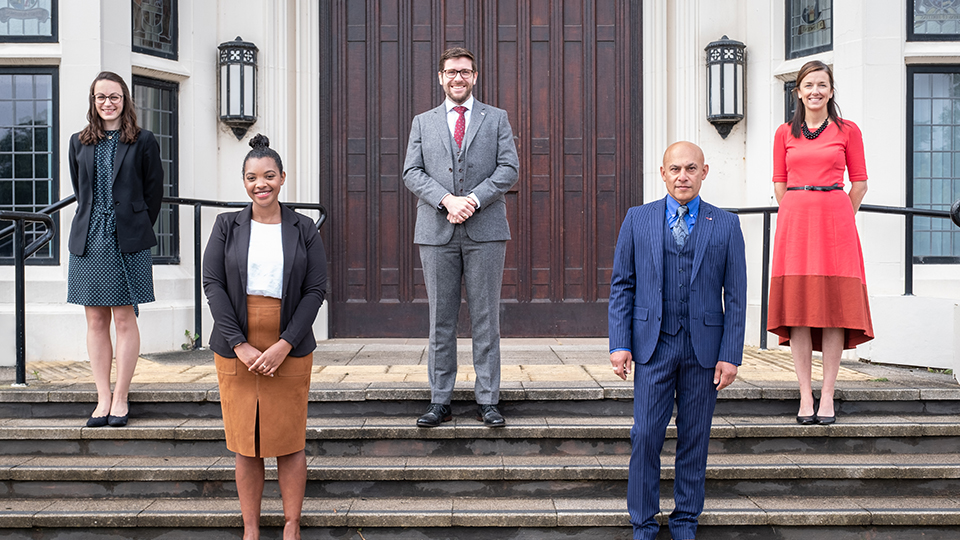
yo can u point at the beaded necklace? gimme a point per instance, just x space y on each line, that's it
806 132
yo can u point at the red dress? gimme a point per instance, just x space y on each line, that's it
818 278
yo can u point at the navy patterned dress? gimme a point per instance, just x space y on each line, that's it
103 275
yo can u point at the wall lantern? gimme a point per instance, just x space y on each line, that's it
238 85
725 63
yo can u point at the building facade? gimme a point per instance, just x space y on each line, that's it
595 89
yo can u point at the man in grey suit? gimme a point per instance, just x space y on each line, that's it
461 160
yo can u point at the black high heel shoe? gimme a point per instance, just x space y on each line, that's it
97 421
119 421
806 420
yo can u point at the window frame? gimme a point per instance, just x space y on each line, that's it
54 36
139 80
913 70
174 34
913 36
790 54
54 243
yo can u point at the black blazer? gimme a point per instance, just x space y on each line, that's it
137 191
225 280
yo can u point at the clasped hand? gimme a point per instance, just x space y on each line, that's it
263 363
459 209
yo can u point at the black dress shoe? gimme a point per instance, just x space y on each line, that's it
826 420
490 416
436 414
97 421
806 420
119 421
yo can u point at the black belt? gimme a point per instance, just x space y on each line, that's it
815 188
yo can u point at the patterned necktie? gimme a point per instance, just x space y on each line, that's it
461 125
680 227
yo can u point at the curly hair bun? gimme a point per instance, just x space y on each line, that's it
260 141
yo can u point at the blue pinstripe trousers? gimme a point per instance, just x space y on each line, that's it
673 373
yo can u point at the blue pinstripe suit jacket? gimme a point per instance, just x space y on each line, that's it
718 285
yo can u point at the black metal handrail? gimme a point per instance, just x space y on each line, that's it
908 213
44 216
20 254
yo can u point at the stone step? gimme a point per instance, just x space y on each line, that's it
490 476
523 436
937 515
578 398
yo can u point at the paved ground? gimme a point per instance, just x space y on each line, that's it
523 360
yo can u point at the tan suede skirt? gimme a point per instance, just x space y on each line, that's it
264 416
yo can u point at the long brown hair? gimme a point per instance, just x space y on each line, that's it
833 110
94 132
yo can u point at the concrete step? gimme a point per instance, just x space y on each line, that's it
523 436
574 398
780 517
490 476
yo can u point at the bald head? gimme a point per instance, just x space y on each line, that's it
683 170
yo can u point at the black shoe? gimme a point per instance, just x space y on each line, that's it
826 420
436 414
490 416
806 420
97 421
119 421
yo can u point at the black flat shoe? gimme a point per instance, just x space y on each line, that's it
436 414
806 420
826 420
490 416
97 421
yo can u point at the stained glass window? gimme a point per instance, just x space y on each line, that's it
155 27
28 20
28 151
933 20
809 27
934 159
157 111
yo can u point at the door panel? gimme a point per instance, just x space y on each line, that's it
568 75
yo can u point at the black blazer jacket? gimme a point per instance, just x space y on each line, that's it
137 191
225 280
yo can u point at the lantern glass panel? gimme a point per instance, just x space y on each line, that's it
728 90
234 90
248 83
714 90
223 90
739 90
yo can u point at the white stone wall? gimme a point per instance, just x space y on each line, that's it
869 58
95 36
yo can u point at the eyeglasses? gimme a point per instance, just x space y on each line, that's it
452 73
114 98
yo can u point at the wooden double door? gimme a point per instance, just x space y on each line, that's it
568 73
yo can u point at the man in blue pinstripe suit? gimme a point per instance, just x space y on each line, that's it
676 315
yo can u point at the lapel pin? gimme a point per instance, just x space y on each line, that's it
708 218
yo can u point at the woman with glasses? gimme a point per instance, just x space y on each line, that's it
818 288
117 176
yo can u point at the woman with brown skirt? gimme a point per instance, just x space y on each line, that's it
265 276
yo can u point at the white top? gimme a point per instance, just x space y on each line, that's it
453 115
265 260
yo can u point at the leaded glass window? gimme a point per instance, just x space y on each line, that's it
28 151
28 20
809 27
933 173
157 111
155 27
933 20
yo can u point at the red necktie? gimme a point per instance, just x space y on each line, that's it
461 125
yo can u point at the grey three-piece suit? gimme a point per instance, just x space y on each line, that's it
474 251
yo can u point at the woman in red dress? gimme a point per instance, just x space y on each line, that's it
818 292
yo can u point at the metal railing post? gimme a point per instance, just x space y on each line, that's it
908 256
765 281
20 308
197 279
